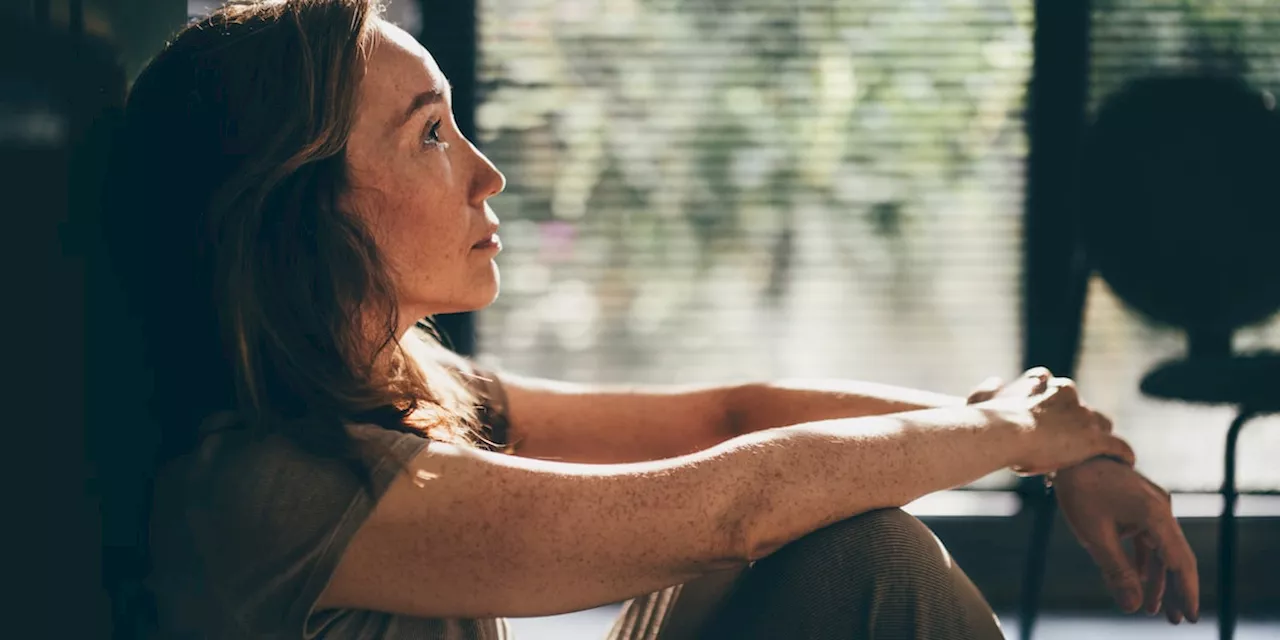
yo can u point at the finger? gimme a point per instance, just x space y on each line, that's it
1156 591
1180 598
985 391
1170 602
1183 586
1140 557
1118 570
1037 380
1166 534
1103 422
1142 560
1064 390
1153 575
978 397
1117 448
1026 386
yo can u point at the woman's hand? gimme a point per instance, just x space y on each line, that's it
1064 431
1034 381
1106 503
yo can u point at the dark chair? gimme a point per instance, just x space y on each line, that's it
1179 215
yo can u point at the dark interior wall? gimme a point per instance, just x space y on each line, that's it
63 72
52 551
138 27
119 439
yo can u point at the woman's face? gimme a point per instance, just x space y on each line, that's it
419 185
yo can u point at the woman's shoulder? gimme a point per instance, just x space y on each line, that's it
262 486
261 522
245 463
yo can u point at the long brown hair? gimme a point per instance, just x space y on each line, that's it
259 293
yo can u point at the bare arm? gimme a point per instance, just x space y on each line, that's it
754 407
555 420
483 534
570 422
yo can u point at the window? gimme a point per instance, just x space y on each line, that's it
716 191
720 191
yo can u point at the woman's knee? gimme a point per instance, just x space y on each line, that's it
883 544
862 562
882 574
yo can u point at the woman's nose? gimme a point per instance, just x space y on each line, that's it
488 181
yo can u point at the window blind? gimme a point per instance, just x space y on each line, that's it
718 191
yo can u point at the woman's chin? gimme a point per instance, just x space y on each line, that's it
486 291
481 292
474 302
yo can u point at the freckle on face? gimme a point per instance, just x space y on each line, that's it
422 213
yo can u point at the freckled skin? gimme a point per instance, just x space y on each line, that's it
470 533
424 203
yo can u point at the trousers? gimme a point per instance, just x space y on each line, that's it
881 575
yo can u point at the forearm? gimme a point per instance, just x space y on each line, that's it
815 474
755 407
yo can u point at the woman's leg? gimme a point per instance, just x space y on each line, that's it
879 575
678 612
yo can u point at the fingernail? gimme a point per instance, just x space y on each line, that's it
1130 600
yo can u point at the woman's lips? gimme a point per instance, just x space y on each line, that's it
488 244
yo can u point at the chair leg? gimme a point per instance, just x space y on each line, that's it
1227 534
1037 561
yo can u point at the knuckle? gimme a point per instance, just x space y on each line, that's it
1120 577
1103 422
1067 394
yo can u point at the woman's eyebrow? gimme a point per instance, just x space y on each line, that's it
420 101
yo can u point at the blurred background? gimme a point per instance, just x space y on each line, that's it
731 190
712 190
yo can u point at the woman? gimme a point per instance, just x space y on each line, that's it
294 196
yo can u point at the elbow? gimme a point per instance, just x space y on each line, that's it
754 540
733 539
752 544
738 546
726 535
748 529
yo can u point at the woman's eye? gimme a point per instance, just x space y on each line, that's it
431 137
